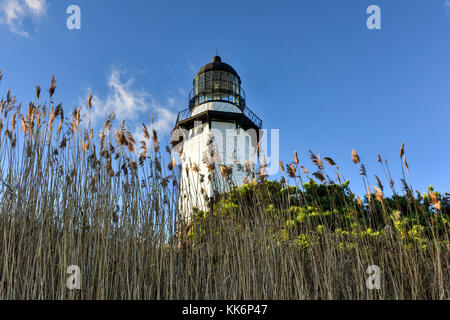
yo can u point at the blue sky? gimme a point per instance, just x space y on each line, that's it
310 68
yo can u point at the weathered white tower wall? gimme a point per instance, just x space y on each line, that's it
206 148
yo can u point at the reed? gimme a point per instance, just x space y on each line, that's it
109 207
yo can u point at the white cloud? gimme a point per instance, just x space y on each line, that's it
14 12
130 104
191 66
165 119
123 100
36 6
447 6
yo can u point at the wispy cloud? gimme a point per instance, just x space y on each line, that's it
447 6
133 105
191 66
14 12
123 99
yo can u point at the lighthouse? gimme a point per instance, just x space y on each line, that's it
216 138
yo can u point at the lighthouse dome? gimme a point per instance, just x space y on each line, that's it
218 65
217 81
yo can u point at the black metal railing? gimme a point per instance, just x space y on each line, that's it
186 114
183 115
253 117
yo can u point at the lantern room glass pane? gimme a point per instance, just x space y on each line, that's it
216 84
208 81
224 76
224 85
201 83
231 86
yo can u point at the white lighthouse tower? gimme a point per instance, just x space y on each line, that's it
216 137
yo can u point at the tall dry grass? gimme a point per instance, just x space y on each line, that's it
108 204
